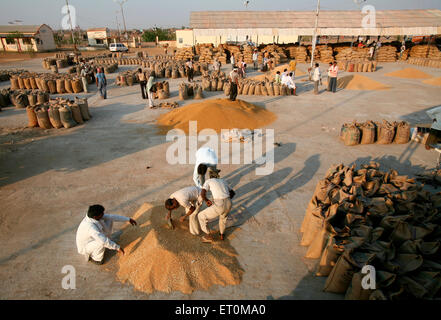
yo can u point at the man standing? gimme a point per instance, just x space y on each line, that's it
219 207
317 78
190 199
189 69
101 83
234 79
142 82
255 58
333 72
205 159
94 231
329 77
84 78
150 88
232 60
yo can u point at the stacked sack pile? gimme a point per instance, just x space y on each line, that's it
22 98
258 88
326 53
108 68
299 53
58 113
190 90
374 132
277 52
358 66
46 82
213 81
425 55
5 75
127 78
248 55
387 54
183 54
368 217
162 90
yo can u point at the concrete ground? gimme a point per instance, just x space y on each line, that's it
48 178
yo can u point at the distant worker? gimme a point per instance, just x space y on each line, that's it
142 82
255 59
284 73
232 60
189 198
287 81
333 73
403 48
293 66
317 78
206 158
150 90
329 76
234 79
189 69
278 78
94 231
219 207
101 83
371 52
216 65
84 76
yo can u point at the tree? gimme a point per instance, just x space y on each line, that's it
162 34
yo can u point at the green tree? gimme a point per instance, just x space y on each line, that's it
162 34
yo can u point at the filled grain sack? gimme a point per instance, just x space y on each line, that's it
20 100
77 85
66 117
341 275
52 86
60 86
32 117
352 135
403 133
76 113
368 132
386 133
355 290
32 99
43 118
84 108
54 117
198 93
14 83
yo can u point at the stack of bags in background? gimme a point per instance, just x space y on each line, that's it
299 53
387 54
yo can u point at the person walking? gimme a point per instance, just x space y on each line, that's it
333 73
84 78
232 60
101 83
219 207
142 82
293 66
255 59
94 232
150 90
189 69
234 79
317 78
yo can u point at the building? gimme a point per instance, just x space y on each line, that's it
35 38
263 27
99 37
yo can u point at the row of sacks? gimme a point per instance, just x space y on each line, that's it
58 113
425 62
188 90
59 63
259 88
374 220
213 80
375 132
5 75
22 98
52 83
358 66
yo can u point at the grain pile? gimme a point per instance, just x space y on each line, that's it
371 217
217 114
359 82
434 81
409 73
160 259
387 54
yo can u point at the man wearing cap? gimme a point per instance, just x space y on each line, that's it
234 79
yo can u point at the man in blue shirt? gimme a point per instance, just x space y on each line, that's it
101 83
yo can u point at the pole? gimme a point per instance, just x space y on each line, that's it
314 37
124 22
72 35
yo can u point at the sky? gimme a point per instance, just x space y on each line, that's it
142 14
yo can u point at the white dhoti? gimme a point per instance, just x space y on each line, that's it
193 221
220 208
95 250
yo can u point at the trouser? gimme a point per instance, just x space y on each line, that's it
95 249
233 91
150 96
220 208
142 84
333 84
316 87
103 90
84 81
190 75
329 84
255 64
193 222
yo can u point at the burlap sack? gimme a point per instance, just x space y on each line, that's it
161 94
368 132
60 86
220 85
258 89
66 117
352 135
43 118
21 84
54 117
32 99
33 83
270 89
52 85
76 113
341 275
386 134
32 117
227 89
366 66
264 90
174 74
329 258
84 107
355 290
68 86
77 85
20 100
276 89
214 84
14 83
198 93
403 133
246 87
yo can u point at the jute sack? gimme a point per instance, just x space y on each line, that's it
167 73
240 87
220 85
32 117
430 280
44 85
181 72
60 86
258 89
66 117
369 67
341 275
403 133
77 85
368 132
41 98
387 133
227 88
68 86
214 84
355 290
84 107
251 89
32 99
284 90
269 88
76 113
52 86
206 84
21 83
129 79
27 83
329 258
276 89
245 89
14 83
4 98
33 83
264 90
374 66
174 74
198 93
320 240
161 94
366 66
54 117
183 91
20 100
352 135
43 118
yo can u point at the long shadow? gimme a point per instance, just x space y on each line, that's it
81 147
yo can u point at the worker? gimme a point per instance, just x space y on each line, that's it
284 73
293 66
403 48
84 78
189 69
205 159
242 69
371 52
219 207
189 198
317 78
150 89
278 78
234 79
232 60
142 82
216 65
101 83
329 76
270 62
255 58
94 231
287 81
333 72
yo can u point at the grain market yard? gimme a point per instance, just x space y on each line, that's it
49 178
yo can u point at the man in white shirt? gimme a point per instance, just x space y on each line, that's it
190 199
94 231
234 80
219 207
205 158
287 81
317 78
255 58
216 65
